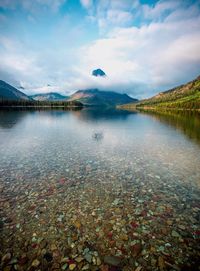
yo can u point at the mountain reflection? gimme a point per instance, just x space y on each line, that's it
187 122
8 119
95 114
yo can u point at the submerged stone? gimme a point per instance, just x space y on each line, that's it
112 260
48 256
6 257
175 234
72 266
64 266
35 263
88 257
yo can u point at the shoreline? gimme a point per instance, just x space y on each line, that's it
158 109
40 107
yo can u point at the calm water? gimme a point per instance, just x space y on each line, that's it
99 190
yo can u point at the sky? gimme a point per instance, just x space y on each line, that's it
143 46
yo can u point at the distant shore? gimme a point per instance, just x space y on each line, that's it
152 108
10 104
40 106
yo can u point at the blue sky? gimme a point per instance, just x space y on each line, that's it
144 46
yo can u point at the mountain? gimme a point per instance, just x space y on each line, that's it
186 96
51 96
8 92
97 97
93 97
98 72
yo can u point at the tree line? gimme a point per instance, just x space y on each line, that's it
31 103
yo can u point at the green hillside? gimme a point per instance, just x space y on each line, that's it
182 97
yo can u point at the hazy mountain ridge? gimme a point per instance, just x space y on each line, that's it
93 97
8 92
51 96
186 96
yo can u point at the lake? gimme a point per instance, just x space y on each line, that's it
99 190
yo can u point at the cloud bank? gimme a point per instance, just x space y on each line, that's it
143 48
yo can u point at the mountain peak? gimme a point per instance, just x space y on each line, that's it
8 92
96 97
98 72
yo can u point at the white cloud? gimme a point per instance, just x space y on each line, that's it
119 17
32 6
110 13
155 57
86 3
160 8
158 54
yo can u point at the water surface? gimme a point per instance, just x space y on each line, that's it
79 186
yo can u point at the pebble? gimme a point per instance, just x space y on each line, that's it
53 247
181 227
88 257
136 249
35 263
98 261
112 260
85 267
72 266
79 259
6 257
64 266
175 234
48 256
43 244
161 263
